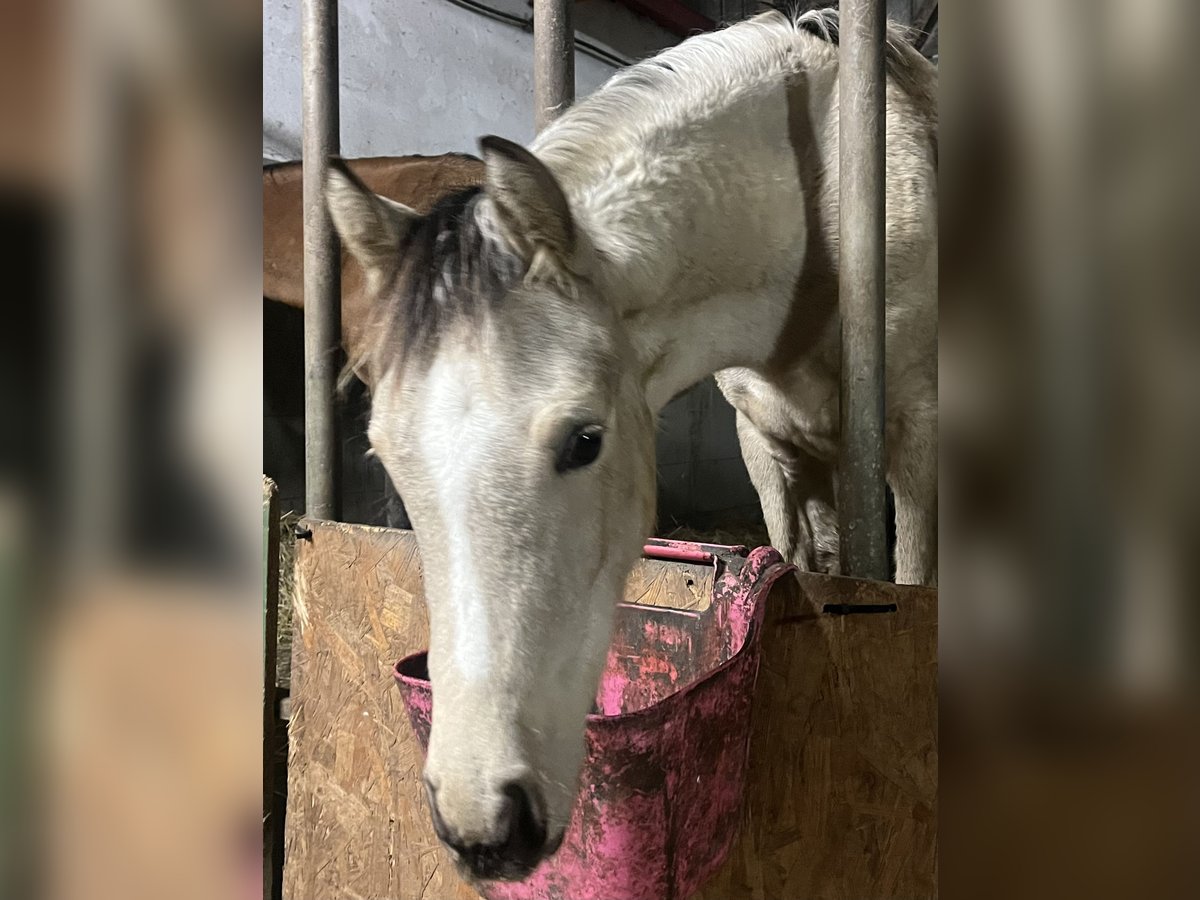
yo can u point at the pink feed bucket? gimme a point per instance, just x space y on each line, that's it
665 763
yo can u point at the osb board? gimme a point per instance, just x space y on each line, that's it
677 585
842 796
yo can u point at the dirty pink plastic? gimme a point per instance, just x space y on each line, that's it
688 551
665 764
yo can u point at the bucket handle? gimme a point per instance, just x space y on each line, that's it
690 551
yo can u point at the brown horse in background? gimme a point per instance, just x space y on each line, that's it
416 181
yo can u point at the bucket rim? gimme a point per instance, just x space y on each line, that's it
766 579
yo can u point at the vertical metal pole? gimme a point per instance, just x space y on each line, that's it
322 262
861 493
553 60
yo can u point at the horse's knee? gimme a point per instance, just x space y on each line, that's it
826 539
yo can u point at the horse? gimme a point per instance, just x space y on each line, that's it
419 182
681 221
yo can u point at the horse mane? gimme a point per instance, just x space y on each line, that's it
912 71
708 65
449 267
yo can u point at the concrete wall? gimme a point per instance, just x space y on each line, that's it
427 76
420 76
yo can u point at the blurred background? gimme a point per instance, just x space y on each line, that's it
132 443
1069 425
130 494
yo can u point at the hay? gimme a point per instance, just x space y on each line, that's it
749 535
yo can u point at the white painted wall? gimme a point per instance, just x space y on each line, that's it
417 76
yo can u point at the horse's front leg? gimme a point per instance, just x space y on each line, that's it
786 525
913 476
795 491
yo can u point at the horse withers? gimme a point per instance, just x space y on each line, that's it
679 222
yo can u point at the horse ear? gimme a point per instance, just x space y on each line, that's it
370 226
530 203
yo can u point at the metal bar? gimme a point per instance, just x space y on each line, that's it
553 60
322 262
861 493
665 548
678 551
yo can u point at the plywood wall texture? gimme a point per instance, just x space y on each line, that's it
842 797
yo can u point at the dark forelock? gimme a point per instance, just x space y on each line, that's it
449 269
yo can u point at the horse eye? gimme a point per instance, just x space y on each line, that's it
580 449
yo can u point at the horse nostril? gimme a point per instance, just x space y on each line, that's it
520 836
526 829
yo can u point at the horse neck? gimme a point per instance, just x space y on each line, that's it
693 255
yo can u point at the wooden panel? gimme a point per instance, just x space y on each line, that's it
842 801
357 825
677 586
842 796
